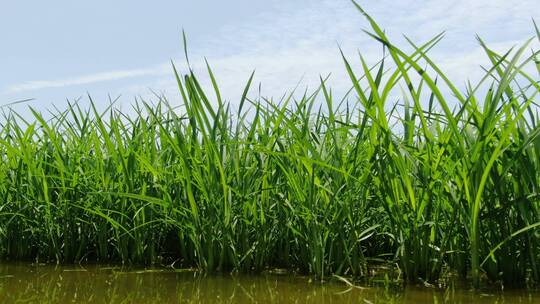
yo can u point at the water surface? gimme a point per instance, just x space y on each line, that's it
26 283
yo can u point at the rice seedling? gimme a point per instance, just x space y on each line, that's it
446 179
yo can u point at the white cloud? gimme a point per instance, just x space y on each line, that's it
87 79
300 42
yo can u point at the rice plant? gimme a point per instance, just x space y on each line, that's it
447 179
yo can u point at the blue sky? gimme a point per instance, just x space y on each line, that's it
57 50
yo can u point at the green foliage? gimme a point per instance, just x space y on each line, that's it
442 178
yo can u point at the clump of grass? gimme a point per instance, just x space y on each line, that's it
314 184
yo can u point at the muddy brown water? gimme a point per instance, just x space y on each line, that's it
27 283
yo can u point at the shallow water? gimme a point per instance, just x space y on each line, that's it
24 283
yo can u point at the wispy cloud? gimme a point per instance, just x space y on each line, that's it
159 70
301 41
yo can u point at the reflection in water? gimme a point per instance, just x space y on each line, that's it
98 284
